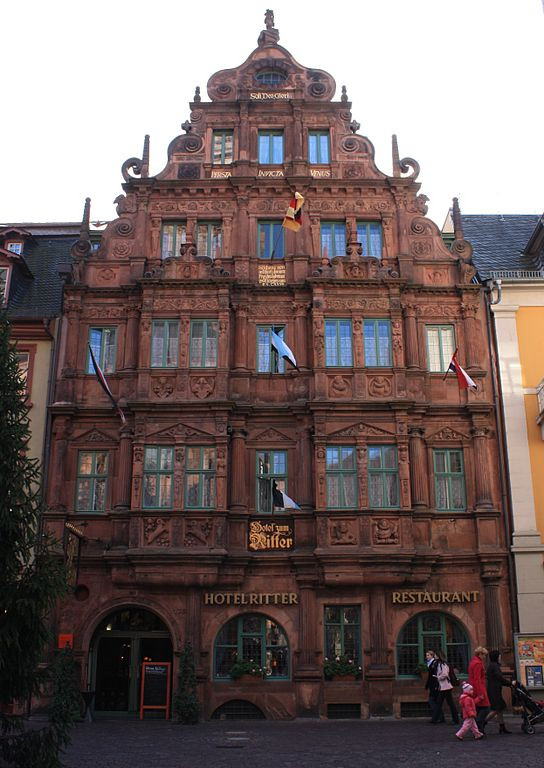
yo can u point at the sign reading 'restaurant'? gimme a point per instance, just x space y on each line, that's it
250 598
415 596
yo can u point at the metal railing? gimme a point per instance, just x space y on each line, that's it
518 274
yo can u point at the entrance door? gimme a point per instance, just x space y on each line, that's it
122 642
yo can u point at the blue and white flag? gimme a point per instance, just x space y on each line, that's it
282 349
281 499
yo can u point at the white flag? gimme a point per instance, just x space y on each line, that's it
282 348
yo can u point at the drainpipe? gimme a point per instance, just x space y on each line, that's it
493 295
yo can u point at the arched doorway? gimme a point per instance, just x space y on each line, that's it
122 641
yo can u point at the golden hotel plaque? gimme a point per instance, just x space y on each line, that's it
270 535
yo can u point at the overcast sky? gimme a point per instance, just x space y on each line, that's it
459 82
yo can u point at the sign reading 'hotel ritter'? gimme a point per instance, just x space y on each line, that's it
270 535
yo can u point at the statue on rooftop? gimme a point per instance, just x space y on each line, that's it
269 19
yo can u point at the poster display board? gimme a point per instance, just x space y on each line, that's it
155 687
529 651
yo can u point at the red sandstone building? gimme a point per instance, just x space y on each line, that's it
399 541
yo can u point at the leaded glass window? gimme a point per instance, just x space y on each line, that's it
164 344
440 347
200 477
268 359
222 152
449 479
369 235
431 632
343 632
383 476
270 147
341 477
91 482
338 348
209 238
158 477
377 339
318 147
333 239
174 234
252 637
203 352
103 343
271 471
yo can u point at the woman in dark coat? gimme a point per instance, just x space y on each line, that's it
495 683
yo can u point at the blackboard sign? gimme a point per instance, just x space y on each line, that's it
155 687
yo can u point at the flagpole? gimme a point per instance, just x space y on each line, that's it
448 369
276 241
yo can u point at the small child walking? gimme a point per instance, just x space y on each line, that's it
468 708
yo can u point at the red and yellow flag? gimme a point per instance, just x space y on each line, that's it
293 217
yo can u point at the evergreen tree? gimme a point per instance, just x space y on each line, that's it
32 573
186 706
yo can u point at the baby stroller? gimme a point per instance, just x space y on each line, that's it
532 711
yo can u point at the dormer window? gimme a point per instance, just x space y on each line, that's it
271 77
15 247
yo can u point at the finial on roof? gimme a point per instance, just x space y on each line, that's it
270 35
186 126
354 126
457 224
145 157
82 247
344 96
197 96
85 222
396 156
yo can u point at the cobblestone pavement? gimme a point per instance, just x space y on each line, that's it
298 744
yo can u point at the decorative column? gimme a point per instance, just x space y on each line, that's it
472 335
124 474
131 341
301 334
410 325
482 471
418 467
491 576
240 341
404 476
304 488
378 628
238 500
72 310
61 433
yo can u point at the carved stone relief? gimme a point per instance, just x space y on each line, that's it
156 532
343 532
202 386
340 386
385 531
379 386
163 386
197 533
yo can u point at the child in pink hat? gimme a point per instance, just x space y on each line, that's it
468 708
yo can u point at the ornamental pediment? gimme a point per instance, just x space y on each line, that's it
363 430
447 434
271 435
95 436
180 430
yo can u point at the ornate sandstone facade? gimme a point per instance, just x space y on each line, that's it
393 467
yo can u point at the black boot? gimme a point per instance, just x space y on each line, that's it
503 728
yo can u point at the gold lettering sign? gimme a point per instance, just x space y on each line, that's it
265 95
221 174
320 173
271 274
250 598
418 596
275 174
270 536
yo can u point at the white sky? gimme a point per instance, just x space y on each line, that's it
459 81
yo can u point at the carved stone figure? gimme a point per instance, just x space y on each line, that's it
385 531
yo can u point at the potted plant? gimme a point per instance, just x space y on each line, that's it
246 671
341 668
422 669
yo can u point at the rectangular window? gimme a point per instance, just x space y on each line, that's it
449 479
369 234
343 633
333 239
164 344
270 240
158 477
4 275
270 147
383 476
341 473
15 248
209 239
23 362
203 344
222 151
338 350
268 360
173 235
318 147
440 347
103 343
91 482
377 338
200 477
271 471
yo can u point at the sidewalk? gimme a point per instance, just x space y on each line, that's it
297 744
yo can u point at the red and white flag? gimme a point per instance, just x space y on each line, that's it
293 217
105 386
463 379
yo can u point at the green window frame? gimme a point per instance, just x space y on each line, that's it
270 240
91 481
431 631
268 360
270 147
252 637
209 239
222 147
377 341
103 342
343 633
158 480
173 235
449 479
369 235
164 343
333 239
271 467
203 347
383 477
319 148
200 466
338 343
341 477
440 346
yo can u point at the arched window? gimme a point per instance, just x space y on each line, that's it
252 637
431 631
271 77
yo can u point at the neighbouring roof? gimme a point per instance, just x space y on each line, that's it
499 241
